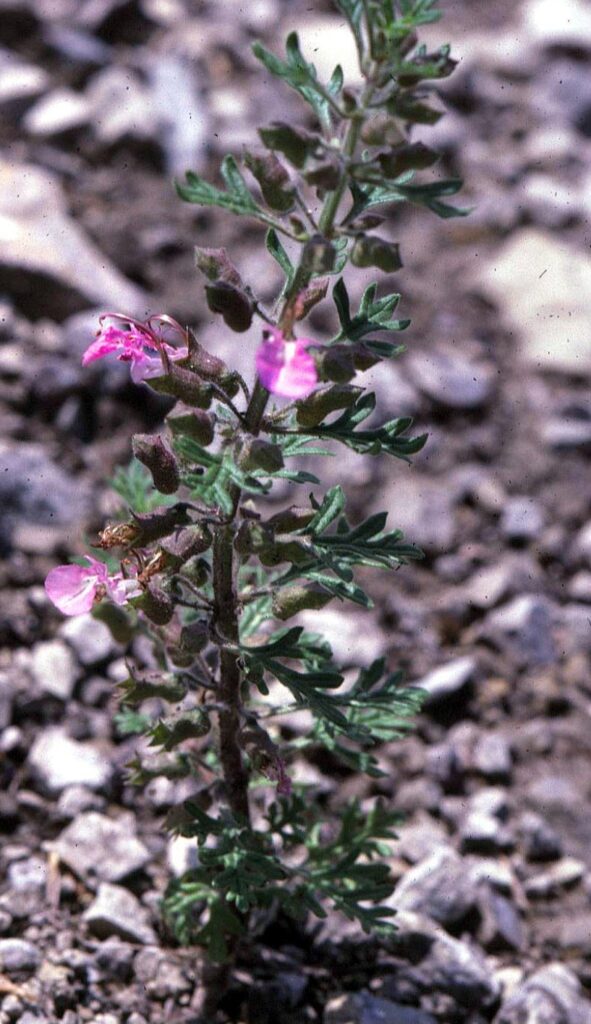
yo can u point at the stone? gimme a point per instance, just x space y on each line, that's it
573 28
91 639
20 82
422 506
352 642
121 106
34 489
182 855
58 762
117 912
552 995
490 584
564 874
364 1008
451 380
47 263
483 833
501 927
448 679
181 115
420 839
522 519
449 965
76 800
94 846
159 975
59 111
324 39
27 874
438 887
18 955
579 587
540 841
548 201
492 757
54 668
574 933
582 544
543 287
523 628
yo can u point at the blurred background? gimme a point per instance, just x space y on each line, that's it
103 103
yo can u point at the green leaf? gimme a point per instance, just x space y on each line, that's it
296 144
297 73
279 254
332 505
169 732
237 198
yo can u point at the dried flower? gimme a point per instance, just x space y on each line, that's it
74 589
285 367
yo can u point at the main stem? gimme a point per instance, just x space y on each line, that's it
225 615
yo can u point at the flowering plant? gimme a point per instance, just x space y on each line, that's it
205 571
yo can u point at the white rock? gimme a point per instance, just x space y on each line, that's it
351 641
543 286
448 679
19 82
58 111
38 239
121 105
54 668
116 911
96 846
90 638
59 761
571 28
181 855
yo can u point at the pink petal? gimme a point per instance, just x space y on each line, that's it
285 368
72 588
120 590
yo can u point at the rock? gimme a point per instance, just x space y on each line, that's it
423 508
91 639
117 912
181 855
552 995
95 846
54 668
58 761
548 201
27 874
77 46
121 106
544 288
492 583
181 115
47 263
493 873
363 1008
20 82
457 968
523 628
439 887
492 757
573 933
522 519
18 955
76 799
115 958
574 28
483 833
564 874
450 380
352 642
159 975
57 112
420 839
501 927
540 841
36 490
579 587
448 679
582 544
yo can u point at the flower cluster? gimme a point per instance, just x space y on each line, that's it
75 589
137 345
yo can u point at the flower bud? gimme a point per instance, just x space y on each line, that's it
233 304
326 176
337 364
325 400
185 385
150 450
184 544
382 130
197 424
116 620
194 636
414 156
291 600
290 519
318 255
372 251
196 570
274 180
159 523
259 454
156 604
216 265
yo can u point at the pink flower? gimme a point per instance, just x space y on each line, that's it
73 589
138 346
285 368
